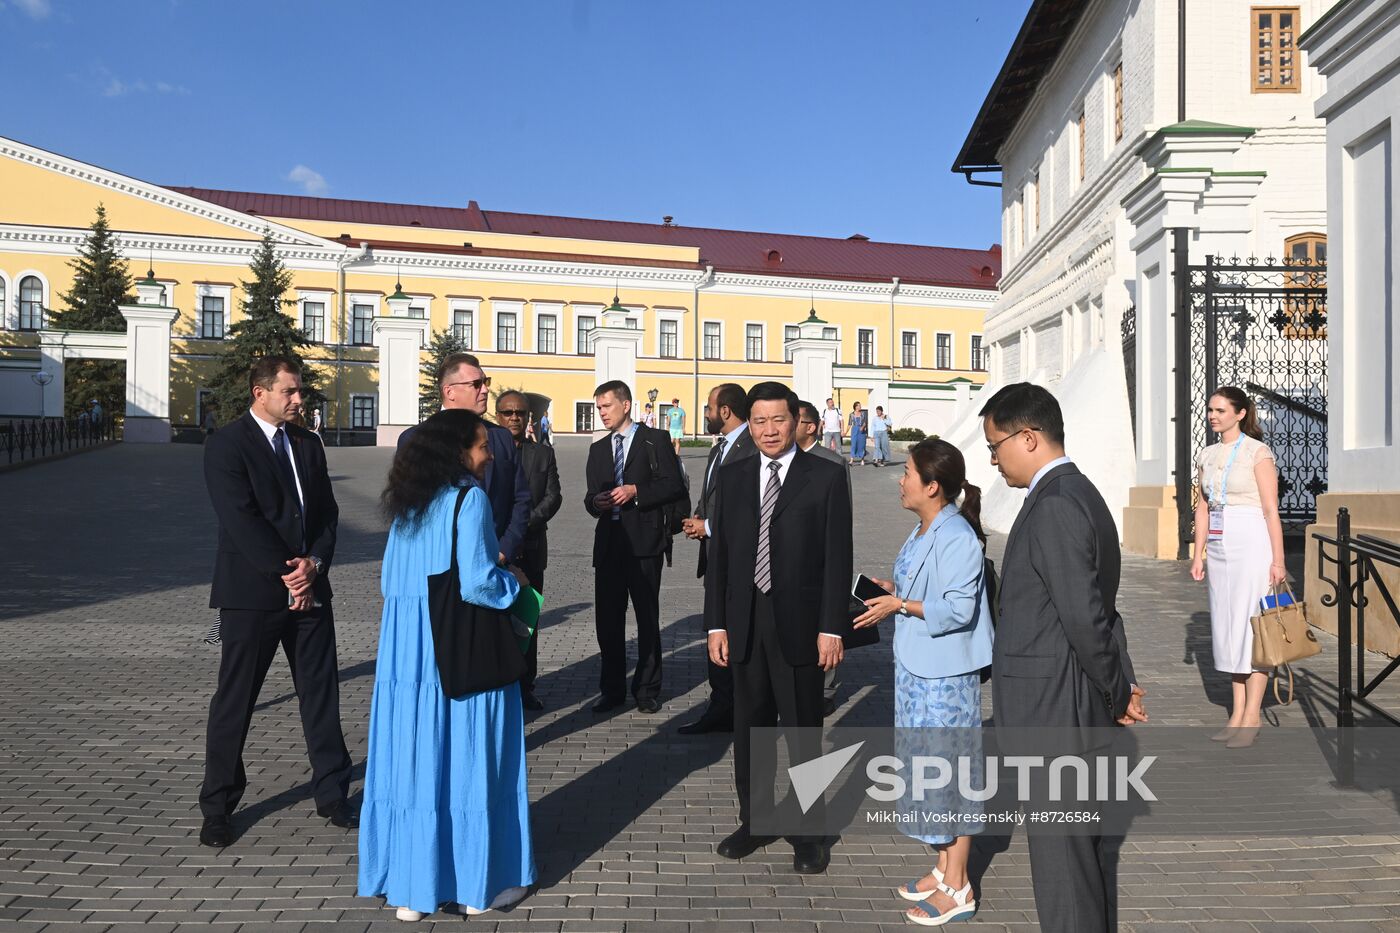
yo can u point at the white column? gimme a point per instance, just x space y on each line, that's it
52 357
615 350
147 373
399 341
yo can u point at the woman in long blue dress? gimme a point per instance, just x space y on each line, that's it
942 640
446 813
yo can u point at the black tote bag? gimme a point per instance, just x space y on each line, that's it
475 646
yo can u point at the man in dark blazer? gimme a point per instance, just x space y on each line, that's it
777 590
542 474
1061 656
726 414
631 473
277 518
463 384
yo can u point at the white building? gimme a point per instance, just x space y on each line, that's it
1100 155
1357 48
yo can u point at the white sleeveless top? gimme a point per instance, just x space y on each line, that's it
1241 488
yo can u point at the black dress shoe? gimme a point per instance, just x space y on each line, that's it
810 858
709 722
607 704
530 701
339 814
741 842
649 705
217 832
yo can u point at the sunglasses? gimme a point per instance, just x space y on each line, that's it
512 412
473 384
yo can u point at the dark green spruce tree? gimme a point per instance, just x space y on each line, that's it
101 282
444 344
265 329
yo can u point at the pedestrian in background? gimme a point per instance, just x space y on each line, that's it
880 430
1239 542
858 427
831 426
675 423
546 437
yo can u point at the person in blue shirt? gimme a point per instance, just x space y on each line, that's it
942 641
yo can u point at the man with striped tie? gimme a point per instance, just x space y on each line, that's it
776 600
631 472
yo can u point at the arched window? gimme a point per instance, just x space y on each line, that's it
31 303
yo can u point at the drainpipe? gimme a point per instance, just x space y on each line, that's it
894 290
340 264
707 279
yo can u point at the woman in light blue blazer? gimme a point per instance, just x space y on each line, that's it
942 641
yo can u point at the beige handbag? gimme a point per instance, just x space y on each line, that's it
1282 635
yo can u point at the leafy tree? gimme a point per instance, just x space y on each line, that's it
101 282
444 344
266 329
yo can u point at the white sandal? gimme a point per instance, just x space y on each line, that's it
910 889
963 908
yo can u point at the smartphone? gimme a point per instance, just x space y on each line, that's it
865 588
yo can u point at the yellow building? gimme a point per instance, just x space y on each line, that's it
527 292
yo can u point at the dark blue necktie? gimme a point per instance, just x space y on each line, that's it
617 471
283 454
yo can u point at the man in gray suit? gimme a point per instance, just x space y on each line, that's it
808 435
1060 657
727 415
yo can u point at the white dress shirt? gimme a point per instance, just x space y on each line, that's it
269 431
730 439
1058 461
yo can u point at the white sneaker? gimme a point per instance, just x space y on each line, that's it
409 914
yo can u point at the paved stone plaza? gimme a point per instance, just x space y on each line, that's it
105 684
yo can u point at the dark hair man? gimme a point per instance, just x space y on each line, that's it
726 415
537 461
277 519
631 473
776 595
1061 656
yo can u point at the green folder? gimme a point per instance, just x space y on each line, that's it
525 615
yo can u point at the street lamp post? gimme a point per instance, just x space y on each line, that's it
42 379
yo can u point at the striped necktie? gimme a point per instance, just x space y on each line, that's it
763 574
617 472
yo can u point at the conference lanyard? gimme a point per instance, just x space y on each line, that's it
1220 495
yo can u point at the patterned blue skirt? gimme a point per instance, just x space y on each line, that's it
939 717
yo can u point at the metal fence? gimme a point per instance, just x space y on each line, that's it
24 439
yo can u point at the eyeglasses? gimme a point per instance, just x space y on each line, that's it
474 384
512 412
992 448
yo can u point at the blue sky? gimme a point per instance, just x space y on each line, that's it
825 118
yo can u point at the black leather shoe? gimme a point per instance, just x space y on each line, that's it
339 814
810 858
649 705
607 704
530 701
216 833
741 842
709 722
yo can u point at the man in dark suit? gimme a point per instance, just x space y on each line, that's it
776 596
463 384
277 520
542 474
726 414
1061 656
631 474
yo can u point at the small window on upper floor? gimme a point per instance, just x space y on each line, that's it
1274 66
1118 102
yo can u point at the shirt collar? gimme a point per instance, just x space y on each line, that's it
1058 461
631 429
731 436
268 428
785 459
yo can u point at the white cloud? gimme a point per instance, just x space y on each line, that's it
310 180
112 86
34 9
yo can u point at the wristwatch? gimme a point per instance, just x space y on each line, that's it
316 562
904 607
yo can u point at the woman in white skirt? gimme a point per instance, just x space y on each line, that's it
1239 545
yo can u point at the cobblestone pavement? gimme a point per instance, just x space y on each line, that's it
104 684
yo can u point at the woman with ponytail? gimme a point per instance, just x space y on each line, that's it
942 641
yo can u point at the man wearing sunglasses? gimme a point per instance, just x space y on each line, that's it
542 477
464 385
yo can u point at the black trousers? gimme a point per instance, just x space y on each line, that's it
768 690
532 564
249 640
621 577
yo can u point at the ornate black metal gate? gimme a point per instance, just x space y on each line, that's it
1263 327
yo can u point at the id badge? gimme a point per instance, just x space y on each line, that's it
1217 523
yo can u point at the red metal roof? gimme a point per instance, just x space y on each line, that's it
727 250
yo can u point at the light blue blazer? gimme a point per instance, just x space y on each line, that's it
945 570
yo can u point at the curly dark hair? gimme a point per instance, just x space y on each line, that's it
430 459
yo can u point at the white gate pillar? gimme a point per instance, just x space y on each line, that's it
147 367
400 342
813 359
615 350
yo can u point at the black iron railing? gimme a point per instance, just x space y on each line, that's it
24 439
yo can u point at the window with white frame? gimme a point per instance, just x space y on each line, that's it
943 351
711 349
313 320
865 347
361 324
790 332
362 411
211 317
670 338
547 338
506 331
979 354
584 338
462 326
829 333
909 349
753 341
31 303
631 322
583 417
